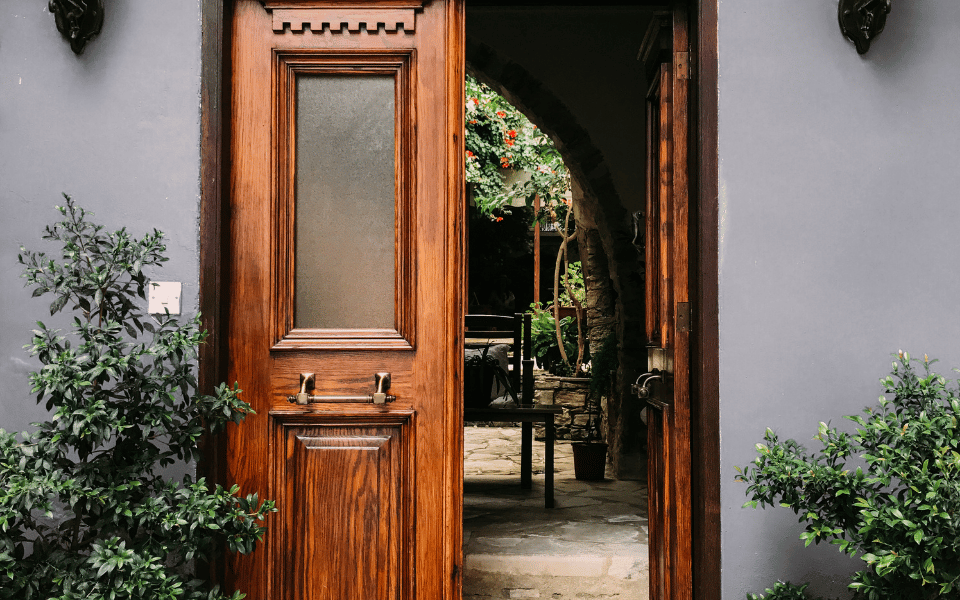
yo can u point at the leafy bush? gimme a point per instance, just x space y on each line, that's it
784 591
543 338
84 510
900 514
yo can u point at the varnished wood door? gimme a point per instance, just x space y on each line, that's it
345 260
669 308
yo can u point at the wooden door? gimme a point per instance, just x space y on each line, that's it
345 252
669 309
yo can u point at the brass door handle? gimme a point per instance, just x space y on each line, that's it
643 390
309 380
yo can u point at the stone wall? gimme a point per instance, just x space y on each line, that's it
571 394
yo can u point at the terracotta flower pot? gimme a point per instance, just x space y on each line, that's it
589 460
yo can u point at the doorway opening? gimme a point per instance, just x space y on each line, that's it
240 24
574 72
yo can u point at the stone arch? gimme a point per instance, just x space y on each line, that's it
606 241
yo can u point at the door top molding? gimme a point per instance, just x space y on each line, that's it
336 16
343 4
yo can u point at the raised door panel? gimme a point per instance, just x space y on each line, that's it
345 483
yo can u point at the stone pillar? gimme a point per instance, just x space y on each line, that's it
615 304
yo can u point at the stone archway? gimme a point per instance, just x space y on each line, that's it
612 262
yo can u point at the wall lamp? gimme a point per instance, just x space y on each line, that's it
79 21
863 20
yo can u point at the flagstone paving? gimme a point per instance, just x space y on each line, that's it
593 544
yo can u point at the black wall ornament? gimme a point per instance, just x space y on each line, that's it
79 21
863 20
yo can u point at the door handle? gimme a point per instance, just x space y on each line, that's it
643 390
309 380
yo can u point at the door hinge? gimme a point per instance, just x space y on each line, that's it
683 317
681 65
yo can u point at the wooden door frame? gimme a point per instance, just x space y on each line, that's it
704 234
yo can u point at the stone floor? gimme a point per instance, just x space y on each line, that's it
592 545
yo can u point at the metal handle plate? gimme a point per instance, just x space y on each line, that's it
308 382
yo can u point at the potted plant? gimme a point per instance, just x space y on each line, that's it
590 455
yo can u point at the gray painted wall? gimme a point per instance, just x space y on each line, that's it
117 128
838 238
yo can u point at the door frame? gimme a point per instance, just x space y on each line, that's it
705 351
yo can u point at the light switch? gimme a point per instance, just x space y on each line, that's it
164 296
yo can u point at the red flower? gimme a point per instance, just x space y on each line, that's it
469 154
501 114
504 162
512 133
499 219
475 101
473 122
509 141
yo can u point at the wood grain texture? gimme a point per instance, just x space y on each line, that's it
455 216
682 565
670 283
272 5
665 222
345 481
652 216
359 477
214 173
352 20
660 496
705 409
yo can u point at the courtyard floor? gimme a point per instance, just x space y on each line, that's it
593 544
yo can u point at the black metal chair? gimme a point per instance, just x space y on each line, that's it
514 330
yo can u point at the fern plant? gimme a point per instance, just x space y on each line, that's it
85 509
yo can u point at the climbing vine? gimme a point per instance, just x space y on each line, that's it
499 137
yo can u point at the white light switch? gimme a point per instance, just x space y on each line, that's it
164 296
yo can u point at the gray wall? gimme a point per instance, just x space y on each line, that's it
838 238
117 128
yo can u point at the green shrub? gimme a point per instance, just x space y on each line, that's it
84 510
899 511
784 591
543 338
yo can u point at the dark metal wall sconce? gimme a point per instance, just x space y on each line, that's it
79 21
863 20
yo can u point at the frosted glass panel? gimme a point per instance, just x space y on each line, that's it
345 207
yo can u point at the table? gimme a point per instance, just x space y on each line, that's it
527 415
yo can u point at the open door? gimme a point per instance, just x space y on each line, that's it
666 55
343 273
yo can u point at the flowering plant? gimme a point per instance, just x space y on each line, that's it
498 137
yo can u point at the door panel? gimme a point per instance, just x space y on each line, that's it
345 253
353 474
669 310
